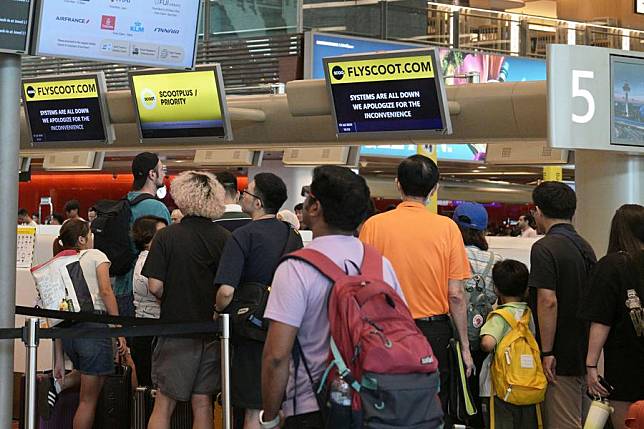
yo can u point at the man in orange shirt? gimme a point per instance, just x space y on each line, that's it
428 255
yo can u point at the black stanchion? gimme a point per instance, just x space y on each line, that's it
131 327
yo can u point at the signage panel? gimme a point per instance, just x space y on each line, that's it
150 33
393 92
66 111
587 106
15 23
181 104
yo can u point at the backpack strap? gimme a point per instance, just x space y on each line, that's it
488 267
507 316
320 262
139 198
371 263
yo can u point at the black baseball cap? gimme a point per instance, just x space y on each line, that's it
143 163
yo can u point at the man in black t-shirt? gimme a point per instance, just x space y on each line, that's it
181 268
251 256
560 265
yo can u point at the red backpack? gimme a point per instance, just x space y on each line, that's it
376 348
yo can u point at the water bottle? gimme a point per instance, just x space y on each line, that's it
598 414
340 392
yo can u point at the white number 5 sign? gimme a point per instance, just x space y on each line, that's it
577 91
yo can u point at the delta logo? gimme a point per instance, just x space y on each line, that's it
72 19
166 30
108 22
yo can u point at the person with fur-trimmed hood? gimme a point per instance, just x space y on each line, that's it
181 268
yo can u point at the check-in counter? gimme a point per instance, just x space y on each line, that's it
26 296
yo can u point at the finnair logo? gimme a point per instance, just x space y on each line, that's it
166 30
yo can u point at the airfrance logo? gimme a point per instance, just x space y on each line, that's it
149 99
72 19
166 30
337 72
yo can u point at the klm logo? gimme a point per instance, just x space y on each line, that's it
137 27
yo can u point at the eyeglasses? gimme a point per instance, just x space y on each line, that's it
252 195
306 193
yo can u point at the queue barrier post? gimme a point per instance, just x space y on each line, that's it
225 371
30 338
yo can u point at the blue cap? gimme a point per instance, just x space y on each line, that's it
476 214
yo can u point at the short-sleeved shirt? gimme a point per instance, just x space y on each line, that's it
498 328
122 285
146 304
233 218
253 253
89 261
605 302
298 298
556 263
425 249
185 257
480 261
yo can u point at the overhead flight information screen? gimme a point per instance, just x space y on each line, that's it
181 104
66 109
14 25
392 92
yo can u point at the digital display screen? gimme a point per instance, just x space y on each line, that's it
180 104
14 25
333 45
627 112
150 33
390 92
69 110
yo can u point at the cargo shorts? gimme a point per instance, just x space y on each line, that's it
182 367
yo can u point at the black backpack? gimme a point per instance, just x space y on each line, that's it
111 230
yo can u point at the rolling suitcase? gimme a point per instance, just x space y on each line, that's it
144 403
62 416
114 408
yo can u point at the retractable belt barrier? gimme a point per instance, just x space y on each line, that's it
129 327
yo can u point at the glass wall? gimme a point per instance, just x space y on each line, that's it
247 18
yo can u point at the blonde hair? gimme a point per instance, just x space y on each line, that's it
198 193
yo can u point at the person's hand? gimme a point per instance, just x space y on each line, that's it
59 371
549 368
122 345
470 369
594 386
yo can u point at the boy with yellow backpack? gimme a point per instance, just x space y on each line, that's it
512 376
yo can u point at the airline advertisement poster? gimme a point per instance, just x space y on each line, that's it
14 25
390 92
150 33
65 110
184 104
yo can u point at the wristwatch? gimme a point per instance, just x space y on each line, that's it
270 424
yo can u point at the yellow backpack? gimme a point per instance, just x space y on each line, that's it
516 370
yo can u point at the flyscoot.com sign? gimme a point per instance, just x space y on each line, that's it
61 90
381 70
64 110
396 93
178 104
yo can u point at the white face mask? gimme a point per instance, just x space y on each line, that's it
162 192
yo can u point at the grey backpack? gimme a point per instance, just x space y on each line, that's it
480 298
